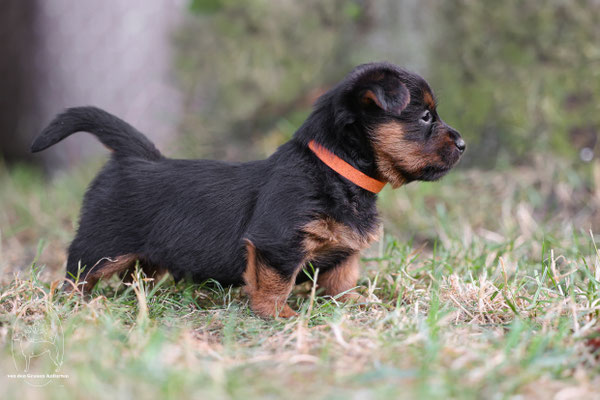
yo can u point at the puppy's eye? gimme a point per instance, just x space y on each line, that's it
426 117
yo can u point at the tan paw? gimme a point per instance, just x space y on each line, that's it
287 312
354 298
269 310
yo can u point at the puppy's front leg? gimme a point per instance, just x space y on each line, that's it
342 278
267 288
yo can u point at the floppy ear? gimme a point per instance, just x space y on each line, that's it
385 92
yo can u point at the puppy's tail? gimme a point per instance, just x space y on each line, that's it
114 133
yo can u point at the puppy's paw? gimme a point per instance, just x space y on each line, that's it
287 312
269 310
353 298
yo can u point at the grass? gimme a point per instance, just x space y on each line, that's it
486 285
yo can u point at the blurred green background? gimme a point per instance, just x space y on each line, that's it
515 78
239 76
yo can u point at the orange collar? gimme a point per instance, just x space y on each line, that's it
344 169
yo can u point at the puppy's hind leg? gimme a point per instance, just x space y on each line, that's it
106 267
152 271
267 288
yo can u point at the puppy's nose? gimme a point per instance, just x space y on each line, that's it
460 144
458 141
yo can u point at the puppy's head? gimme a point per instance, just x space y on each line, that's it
396 111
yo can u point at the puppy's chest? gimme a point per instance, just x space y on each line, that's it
324 236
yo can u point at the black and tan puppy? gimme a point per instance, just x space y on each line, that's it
259 223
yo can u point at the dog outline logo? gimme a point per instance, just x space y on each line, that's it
37 344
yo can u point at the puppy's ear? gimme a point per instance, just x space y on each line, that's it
383 91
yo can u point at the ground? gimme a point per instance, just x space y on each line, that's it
486 285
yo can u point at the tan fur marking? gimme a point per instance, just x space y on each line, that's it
151 271
428 99
342 278
392 150
107 268
326 234
369 97
267 290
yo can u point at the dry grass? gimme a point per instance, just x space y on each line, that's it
496 294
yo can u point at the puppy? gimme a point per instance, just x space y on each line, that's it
257 224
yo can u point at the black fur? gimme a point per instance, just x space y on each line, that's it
113 132
192 217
